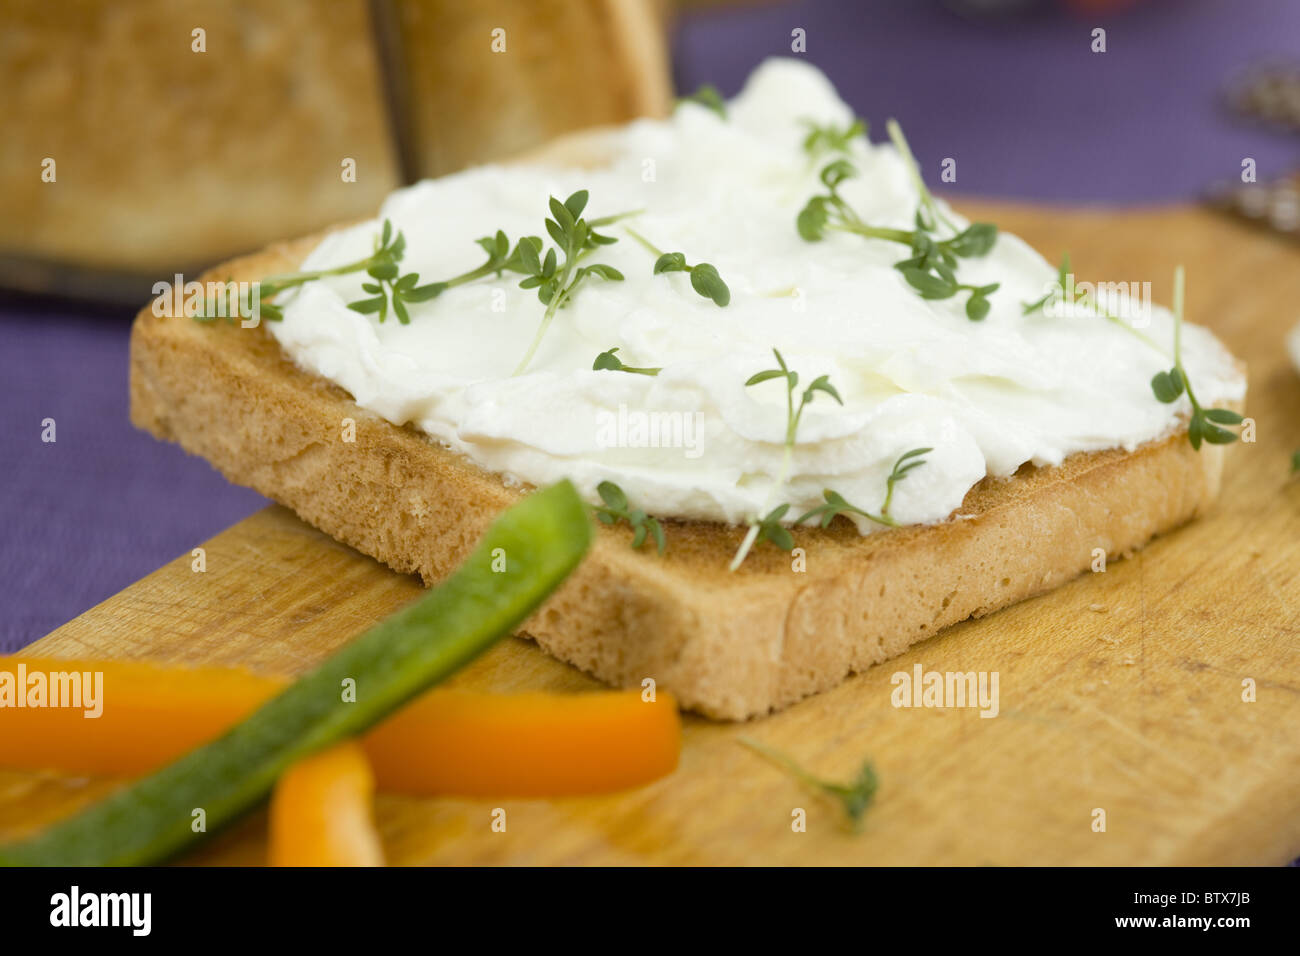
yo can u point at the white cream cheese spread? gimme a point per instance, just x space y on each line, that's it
694 441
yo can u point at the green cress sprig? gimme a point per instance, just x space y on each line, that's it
389 284
556 280
769 527
837 505
928 204
828 138
390 287
855 797
1062 279
704 276
766 528
793 413
906 462
500 259
608 361
1081 298
931 268
388 252
708 97
1204 425
616 508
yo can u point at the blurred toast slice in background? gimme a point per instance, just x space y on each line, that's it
485 80
172 149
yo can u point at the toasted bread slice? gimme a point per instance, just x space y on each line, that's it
729 645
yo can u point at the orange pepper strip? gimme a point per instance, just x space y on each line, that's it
526 745
151 714
447 741
322 812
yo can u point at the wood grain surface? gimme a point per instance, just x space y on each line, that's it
1120 691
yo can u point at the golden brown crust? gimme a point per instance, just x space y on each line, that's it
728 645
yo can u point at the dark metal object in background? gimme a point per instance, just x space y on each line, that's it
1269 94
1275 205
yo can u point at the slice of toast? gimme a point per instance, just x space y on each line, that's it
729 645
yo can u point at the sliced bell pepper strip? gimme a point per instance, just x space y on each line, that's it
450 742
526 745
322 812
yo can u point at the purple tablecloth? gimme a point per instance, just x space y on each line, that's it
103 504
1025 108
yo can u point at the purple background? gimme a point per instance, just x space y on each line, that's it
1022 105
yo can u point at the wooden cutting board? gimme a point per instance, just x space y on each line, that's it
1121 690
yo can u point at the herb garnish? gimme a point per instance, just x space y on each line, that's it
390 284
704 276
1081 298
616 509
708 97
1168 386
769 527
831 139
837 505
388 252
918 181
557 282
390 287
608 361
1062 279
855 797
792 414
906 462
500 259
931 268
